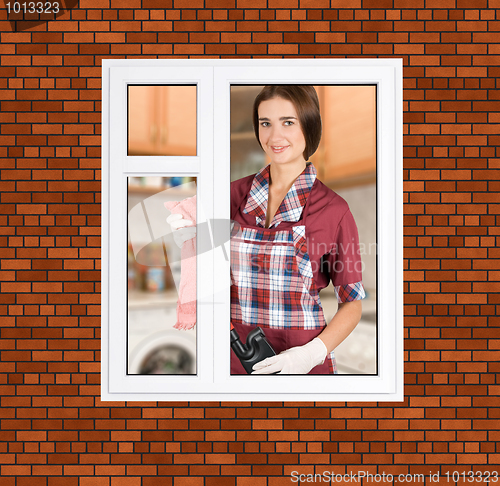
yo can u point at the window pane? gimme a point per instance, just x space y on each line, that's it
345 161
161 298
161 120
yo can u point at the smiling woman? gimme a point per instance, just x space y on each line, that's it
280 211
282 139
303 102
280 135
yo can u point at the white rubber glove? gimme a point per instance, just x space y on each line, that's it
182 230
294 361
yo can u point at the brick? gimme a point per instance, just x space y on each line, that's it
50 158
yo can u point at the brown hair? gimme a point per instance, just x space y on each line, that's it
306 103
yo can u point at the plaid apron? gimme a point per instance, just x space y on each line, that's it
273 287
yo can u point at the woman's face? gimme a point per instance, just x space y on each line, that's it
280 133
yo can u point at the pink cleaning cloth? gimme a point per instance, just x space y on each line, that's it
186 303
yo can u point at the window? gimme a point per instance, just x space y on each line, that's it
153 155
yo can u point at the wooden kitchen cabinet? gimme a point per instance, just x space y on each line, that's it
161 120
347 152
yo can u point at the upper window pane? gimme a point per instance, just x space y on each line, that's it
161 120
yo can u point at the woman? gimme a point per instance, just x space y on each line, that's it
294 236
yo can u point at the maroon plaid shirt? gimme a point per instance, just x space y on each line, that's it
331 234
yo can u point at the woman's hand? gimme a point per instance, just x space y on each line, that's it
182 229
294 361
302 359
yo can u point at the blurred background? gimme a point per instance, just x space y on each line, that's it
161 121
153 275
345 162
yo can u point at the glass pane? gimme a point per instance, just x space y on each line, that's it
161 296
161 120
345 161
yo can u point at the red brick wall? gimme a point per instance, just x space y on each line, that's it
53 426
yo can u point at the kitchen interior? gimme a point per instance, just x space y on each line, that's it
162 122
346 163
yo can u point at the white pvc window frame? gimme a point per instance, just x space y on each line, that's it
211 166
